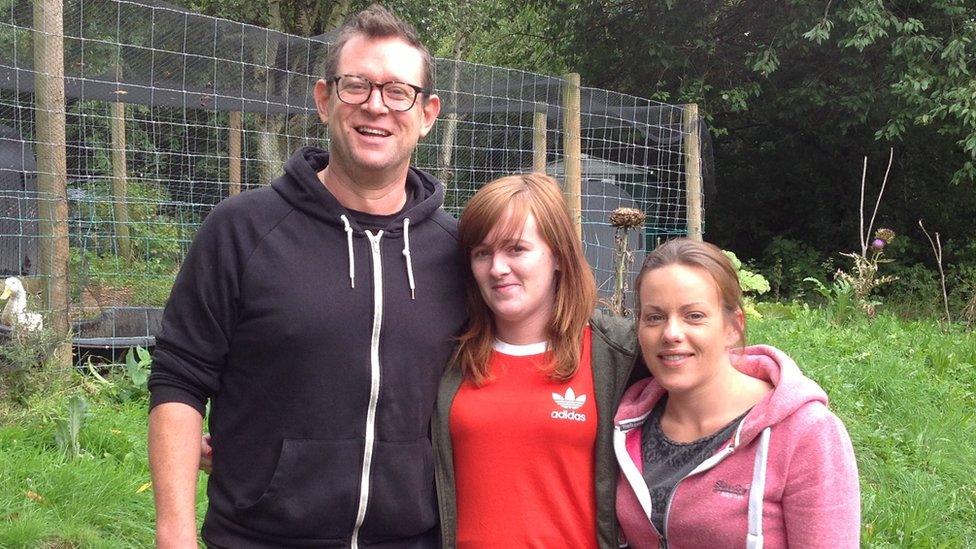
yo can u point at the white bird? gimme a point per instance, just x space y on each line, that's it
15 312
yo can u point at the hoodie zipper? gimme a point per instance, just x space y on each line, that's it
702 467
374 388
623 427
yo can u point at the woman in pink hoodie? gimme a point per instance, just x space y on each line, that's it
724 446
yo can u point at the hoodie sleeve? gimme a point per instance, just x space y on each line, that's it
821 499
192 345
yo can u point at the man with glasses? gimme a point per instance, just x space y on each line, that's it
316 316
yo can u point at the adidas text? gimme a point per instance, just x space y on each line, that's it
568 414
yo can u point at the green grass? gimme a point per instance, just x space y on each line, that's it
50 500
907 393
905 390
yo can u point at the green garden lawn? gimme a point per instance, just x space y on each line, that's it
906 390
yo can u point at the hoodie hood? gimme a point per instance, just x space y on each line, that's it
300 186
791 391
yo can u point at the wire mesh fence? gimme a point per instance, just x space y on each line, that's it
167 112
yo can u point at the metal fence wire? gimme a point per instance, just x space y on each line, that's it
168 112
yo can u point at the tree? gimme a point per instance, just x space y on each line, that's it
797 93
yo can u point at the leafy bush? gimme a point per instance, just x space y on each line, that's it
137 282
962 297
153 233
753 284
21 356
787 262
916 293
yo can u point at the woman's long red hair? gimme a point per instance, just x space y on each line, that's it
540 196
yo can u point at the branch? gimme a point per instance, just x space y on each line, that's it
860 233
937 251
891 157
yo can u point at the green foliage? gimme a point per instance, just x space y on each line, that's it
916 292
786 262
752 284
838 296
154 235
22 356
27 350
68 430
158 241
775 309
137 364
102 500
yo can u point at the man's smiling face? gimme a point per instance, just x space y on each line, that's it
371 140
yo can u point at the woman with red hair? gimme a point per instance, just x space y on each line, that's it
524 415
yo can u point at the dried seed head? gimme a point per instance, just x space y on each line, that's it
627 218
885 234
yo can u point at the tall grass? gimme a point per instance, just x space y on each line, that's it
905 390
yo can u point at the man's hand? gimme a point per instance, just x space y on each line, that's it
174 459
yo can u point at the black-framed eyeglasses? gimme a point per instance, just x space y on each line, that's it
355 90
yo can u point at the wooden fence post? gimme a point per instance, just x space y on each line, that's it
693 177
539 145
234 152
572 149
120 181
52 182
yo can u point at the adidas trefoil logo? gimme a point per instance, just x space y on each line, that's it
569 403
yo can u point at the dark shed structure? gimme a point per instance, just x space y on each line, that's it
18 205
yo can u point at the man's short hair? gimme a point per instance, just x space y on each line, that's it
378 22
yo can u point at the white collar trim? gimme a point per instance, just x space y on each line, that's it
528 349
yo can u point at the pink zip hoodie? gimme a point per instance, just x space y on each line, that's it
786 478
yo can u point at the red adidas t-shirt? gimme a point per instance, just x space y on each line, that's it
523 454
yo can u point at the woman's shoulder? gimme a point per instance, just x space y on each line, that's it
619 331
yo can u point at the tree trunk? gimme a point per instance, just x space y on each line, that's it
338 14
445 173
270 157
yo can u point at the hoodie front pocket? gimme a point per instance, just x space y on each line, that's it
402 502
312 494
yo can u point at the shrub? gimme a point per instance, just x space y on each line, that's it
753 284
786 263
157 239
916 293
22 355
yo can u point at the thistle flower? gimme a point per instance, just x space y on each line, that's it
878 244
886 235
627 218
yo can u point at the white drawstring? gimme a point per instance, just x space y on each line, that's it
406 254
352 258
754 539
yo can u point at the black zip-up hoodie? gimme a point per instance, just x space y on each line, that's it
320 365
